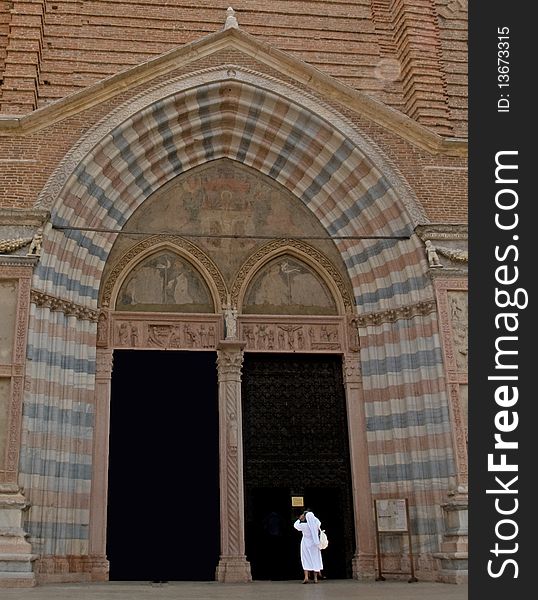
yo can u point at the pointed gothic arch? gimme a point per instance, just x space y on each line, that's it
334 170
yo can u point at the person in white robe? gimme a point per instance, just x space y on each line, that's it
309 525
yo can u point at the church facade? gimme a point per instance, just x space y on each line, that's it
233 283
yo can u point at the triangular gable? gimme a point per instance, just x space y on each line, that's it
250 46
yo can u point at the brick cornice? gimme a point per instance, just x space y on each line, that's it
232 38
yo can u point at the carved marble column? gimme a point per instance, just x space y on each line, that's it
364 559
233 565
99 490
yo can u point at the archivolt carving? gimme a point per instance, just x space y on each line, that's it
302 251
185 248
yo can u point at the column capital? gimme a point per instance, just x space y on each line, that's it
230 358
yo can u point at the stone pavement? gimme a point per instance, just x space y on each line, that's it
259 590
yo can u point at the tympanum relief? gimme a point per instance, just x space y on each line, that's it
457 302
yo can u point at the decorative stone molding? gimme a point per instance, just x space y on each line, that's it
394 314
183 247
8 246
23 218
234 38
442 231
451 299
455 254
58 304
14 370
303 251
88 141
363 563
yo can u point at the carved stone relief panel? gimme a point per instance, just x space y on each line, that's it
453 322
464 404
5 394
274 334
458 309
8 312
14 311
196 333
164 282
288 286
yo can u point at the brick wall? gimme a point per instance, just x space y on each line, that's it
437 180
73 43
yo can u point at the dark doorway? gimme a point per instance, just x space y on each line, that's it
163 491
295 444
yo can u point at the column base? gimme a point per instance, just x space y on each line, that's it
16 558
233 569
363 567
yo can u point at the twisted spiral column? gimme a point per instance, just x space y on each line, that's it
233 565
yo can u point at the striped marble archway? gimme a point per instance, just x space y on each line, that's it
339 175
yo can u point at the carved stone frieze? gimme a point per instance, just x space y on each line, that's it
394 314
23 218
442 232
166 333
61 305
291 335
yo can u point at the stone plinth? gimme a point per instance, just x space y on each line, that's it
454 555
16 558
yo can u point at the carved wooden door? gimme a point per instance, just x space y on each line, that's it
296 444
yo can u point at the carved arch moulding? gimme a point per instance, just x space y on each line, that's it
305 253
203 264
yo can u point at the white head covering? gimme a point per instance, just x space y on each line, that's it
313 524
